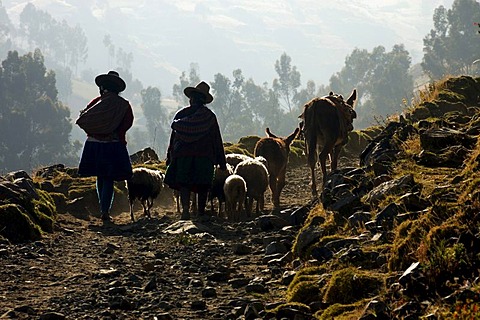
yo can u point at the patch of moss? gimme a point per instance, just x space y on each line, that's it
358 140
443 255
81 187
344 284
297 155
235 148
317 219
304 290
339 311
46 204
248 143
404 248
465 89
301 277
16 224
291 305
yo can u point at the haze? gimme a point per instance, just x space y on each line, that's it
165 37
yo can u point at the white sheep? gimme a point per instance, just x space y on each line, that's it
255 174
235 190
145 185
216 190
234 159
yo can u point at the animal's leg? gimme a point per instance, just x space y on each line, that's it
145 206
248 205
312 161
280 185
131 209
212 208
177 200
220 211
274 188
260 204
326 151
149 206
194 202
335 154
238 206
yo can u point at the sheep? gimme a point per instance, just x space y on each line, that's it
216 190
255 174
235 190
234 159
145 185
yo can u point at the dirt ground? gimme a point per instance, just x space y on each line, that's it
150 269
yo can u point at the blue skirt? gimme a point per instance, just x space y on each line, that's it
105 159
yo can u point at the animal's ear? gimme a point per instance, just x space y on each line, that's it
269 134
292 136
353 97
331 93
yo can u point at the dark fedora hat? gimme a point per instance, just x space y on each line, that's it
111 77
203 88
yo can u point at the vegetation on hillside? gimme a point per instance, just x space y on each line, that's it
440 242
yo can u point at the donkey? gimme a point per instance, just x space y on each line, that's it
325 124
275 150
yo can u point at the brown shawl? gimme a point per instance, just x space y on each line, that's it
103 115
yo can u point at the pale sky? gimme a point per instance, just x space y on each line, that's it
165 36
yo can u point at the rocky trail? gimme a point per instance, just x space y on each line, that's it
158 268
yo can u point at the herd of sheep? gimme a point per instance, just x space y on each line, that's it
246 180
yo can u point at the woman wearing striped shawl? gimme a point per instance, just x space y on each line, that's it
195 148
106 120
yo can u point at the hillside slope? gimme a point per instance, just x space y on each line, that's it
394 235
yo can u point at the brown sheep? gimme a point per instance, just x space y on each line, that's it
275 150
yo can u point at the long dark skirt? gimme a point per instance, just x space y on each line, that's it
105 159
195 173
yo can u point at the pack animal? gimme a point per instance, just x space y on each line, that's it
276 150
325 124
145 185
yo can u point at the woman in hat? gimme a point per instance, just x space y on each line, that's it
195 147
106 120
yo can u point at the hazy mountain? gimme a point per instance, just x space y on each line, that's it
220 36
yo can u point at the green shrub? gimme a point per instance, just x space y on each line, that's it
305 291
350 285
16 224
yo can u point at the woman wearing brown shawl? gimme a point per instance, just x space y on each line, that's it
106 120
195 148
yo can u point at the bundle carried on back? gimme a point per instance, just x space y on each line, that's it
103 115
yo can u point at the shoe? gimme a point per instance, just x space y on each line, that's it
106 217
185 216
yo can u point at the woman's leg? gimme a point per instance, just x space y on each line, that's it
185 200
202 201
105 195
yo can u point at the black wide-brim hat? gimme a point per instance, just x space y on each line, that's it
111 77
203 88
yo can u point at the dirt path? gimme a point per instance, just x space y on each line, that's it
150 269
